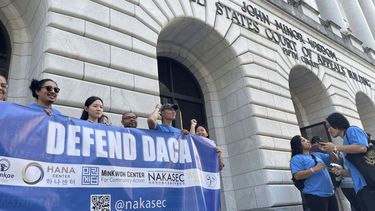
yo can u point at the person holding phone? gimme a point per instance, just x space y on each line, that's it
318 189
355 141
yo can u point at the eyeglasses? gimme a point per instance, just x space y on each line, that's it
4 85
50 88
130 117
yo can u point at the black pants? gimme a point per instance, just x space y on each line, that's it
366 199
350 195
317 203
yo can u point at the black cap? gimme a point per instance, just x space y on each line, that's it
169 105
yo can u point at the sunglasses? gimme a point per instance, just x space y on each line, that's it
4 85
50 88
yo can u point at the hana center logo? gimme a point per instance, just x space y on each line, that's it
32 173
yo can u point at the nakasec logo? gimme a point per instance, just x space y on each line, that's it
32 173
4 167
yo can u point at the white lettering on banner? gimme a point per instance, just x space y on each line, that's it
129 146
73 140
100 144
161 150
87 140
148 148
55 138
178 151
173 149
113 144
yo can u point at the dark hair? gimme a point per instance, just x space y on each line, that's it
37 85
296 145
88 102
204 127
101 120
128 112
338 121
316 139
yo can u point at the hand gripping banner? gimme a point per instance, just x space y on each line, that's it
62 163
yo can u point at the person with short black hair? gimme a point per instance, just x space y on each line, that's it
129 119
318 189
45 92
93 109
3 88
355 141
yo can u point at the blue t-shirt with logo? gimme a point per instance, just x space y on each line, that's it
166 128
355 135
319 183
42 108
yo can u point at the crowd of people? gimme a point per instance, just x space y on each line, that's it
45 92
312 165
317 163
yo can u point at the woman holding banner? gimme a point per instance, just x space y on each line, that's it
93 109
201 131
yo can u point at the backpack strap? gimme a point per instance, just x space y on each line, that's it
314 158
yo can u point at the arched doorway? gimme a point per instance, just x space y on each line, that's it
366 111
210 63
5 51
177 85
311 102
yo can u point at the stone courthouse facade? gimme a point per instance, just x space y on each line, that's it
254 72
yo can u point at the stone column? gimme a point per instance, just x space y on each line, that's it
329 10
368 9
357 22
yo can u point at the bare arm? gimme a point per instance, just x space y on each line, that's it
306 173
351 149
193 124
221 163
153 118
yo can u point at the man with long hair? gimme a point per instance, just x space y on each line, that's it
355 142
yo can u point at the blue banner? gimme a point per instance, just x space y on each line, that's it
62 163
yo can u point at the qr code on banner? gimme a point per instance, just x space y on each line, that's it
100 202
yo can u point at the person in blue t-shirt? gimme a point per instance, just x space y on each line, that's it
355 142
318 189
45 92
168 114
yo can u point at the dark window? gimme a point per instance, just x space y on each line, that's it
4 51
177 85
318 129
